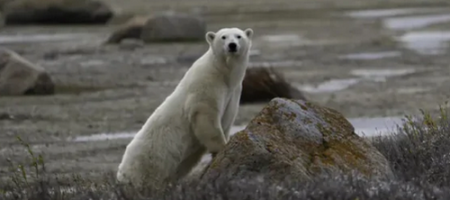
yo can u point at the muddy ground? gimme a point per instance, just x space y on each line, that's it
353 62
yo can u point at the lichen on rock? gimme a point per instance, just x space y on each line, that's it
298 139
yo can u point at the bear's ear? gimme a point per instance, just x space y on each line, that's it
210 37
249 32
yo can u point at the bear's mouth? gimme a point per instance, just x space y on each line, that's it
233 50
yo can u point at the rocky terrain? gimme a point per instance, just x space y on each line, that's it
363 59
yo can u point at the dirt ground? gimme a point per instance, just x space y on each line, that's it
109 89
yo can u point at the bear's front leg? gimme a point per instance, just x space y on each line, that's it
207 127
231 111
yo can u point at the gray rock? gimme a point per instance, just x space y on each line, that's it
2 22
57 12
3 3
299 140
132 29
171 27
262 84
20 77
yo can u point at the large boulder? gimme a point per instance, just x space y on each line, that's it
20 77
262 84
57 12
132 29
3 3
171 27
2 22
299 140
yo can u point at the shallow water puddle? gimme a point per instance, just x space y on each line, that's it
285 40
381 74
287 63
426 42
414 22
411 90
366 127
334 85
290 40
282 38
369 127
371 55
7 39
379 13
105 136
330 86
126 135
395 22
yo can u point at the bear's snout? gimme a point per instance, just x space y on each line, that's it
232 47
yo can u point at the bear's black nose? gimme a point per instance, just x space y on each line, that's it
232 47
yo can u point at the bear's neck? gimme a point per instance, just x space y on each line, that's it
232 67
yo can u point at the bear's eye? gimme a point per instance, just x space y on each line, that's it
224 37
238 37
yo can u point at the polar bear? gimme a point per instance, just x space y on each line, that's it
194 119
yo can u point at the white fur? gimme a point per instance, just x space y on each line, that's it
196 118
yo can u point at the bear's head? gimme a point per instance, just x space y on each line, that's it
230 41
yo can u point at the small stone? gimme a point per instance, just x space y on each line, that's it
18 76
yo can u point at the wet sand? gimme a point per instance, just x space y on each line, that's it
365 60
